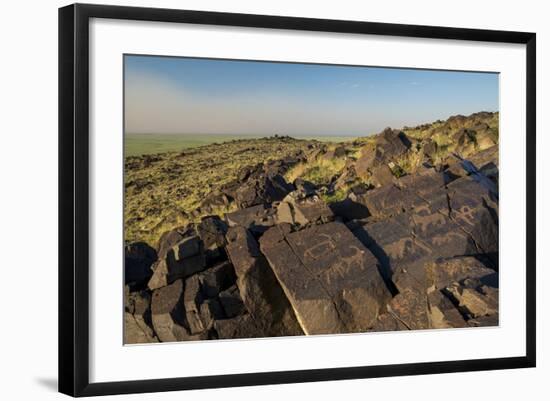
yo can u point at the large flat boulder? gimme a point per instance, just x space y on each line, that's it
443 272
443 223
474 207
330 278
386 201
392 242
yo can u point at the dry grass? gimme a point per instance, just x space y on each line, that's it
162 190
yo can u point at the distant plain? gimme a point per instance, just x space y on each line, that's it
142 144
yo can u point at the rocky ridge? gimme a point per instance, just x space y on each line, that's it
397 231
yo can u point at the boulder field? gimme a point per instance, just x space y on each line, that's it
407 247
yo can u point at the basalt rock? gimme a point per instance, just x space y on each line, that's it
330 278
338 151
184 259
258 287
442 313
381 175
231 302
217 278
242 326
410 307
443 272
138 260
133 332
418 250
474 303
168 312
211 231
300 210
138 326
258 185
388 322
257 218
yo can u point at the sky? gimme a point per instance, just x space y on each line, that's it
176 95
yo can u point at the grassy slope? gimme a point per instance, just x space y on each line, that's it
162 190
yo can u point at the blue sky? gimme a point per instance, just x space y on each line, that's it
201 96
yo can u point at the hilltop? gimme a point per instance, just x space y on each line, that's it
280 236
169 189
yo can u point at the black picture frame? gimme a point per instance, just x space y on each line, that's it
74 198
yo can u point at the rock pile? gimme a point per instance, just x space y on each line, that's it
409 251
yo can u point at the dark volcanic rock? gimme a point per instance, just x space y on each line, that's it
210 311
410 307
217 278
133 332
443 272
484 321
475 209
381 175
423 184
138 259
138 326
182 260
255 218
242 326
486 156
338 151
369 158
258 286
393 243
474 303
394 143
167 241
329 277
386 201
296 209
231 302
212 231
192 300
259 184
388 322
442 313
304 188
168 312
427 225
349 210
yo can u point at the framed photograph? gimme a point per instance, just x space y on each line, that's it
250 199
